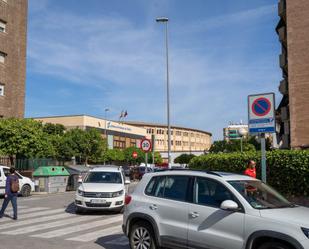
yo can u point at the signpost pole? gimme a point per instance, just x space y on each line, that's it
263 159
146 161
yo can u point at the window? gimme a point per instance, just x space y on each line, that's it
172 187
2 57
2 26
150 187
210 193
1 90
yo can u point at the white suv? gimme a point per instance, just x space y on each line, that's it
213 210
25 183
103 188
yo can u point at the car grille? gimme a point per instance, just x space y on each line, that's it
98 194
107 204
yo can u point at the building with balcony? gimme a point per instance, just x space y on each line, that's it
235 131
293 110
13 36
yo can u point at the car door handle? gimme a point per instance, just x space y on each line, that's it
153 207
194 214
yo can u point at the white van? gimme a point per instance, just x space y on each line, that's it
25 183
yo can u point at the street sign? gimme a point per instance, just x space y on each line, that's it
145 145
134 154
261 113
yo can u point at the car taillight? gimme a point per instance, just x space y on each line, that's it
127 199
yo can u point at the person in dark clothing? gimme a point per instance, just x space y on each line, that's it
9 195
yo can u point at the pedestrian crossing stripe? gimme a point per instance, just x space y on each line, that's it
35 220
82 227
34 228
97 234
59 223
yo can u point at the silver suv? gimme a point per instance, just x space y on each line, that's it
213 210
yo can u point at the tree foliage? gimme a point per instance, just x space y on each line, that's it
24 138
184 158
287 171
231 146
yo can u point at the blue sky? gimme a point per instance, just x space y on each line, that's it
85 56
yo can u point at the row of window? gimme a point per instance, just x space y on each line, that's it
198 190
178 133
179 143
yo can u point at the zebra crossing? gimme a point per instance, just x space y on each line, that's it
47 223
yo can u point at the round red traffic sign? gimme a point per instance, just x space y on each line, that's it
134 154
261 106
145 145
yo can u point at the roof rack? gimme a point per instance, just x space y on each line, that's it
196 170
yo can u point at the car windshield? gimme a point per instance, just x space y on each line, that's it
259 195
103 177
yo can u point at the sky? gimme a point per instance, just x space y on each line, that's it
86 56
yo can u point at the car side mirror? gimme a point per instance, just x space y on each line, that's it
229 205
126 182
80 180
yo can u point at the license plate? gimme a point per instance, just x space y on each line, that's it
98 201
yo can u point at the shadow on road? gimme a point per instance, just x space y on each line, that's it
114 241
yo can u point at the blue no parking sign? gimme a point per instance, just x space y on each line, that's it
261 113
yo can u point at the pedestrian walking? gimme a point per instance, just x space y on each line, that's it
250 170
11 192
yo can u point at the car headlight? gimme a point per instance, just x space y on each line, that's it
305 231
80 192
116 194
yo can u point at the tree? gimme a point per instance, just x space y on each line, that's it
184 158
129 158
230 146
87 145
54 129
114 156
24 138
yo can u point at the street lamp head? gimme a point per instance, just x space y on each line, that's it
242 132
162 19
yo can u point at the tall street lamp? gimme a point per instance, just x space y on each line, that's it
165 21
242 132
105 132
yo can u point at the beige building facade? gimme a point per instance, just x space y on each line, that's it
13 37
184 140
293 111
119 136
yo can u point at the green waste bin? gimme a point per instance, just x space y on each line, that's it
51 179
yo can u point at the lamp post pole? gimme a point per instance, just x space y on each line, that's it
105 132
242 132
165 20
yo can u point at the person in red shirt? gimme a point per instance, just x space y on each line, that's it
251 171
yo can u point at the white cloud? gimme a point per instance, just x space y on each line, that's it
127 63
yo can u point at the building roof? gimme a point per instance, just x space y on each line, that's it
140 123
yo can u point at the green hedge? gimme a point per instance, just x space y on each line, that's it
287 171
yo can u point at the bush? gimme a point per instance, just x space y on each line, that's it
287 171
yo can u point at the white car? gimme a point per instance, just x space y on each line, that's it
25 183
103 188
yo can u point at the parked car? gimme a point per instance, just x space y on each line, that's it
25 184
194 209
103 188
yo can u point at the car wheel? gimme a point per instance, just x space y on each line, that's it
25 191
142 236
274 245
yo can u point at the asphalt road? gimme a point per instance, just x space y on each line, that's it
50 222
